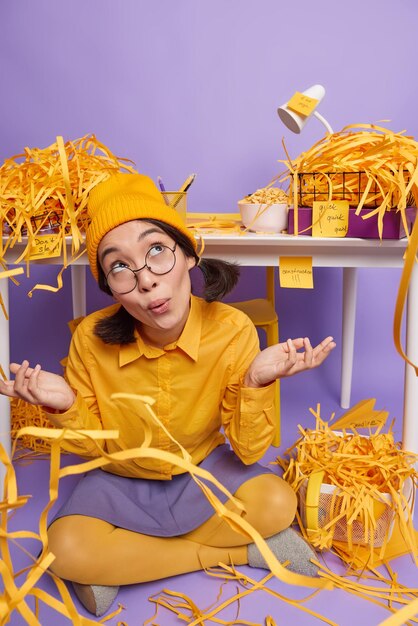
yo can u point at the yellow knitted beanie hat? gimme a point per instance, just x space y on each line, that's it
122 198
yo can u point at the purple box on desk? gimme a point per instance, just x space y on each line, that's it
357 226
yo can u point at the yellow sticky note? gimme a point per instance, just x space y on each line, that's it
301 104
330 219
362 415
295 272
45 246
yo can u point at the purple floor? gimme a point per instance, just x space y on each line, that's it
338 606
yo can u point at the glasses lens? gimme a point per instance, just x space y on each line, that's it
160 259
121 280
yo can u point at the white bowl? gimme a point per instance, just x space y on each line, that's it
266 218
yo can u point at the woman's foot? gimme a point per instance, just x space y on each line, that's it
287 545
97 599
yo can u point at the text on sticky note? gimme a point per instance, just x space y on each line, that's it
304 105
330 219
296 272
45 246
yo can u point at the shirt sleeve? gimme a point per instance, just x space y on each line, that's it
248 414
84 413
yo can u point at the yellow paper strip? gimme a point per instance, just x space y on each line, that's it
409 262
14 272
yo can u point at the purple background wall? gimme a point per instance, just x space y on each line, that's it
193 86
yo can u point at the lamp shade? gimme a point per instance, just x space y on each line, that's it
293 120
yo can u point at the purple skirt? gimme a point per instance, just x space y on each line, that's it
162 508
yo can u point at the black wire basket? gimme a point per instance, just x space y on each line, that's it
350 186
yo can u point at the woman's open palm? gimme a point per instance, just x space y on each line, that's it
283 359
37 386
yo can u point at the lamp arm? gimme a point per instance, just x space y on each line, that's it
324 121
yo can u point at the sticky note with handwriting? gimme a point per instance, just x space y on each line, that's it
330 219
295 272
304 105
45 246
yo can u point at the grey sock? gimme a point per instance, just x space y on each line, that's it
287 545
96 598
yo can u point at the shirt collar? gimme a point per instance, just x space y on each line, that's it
188 341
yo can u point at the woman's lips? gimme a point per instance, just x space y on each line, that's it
159 306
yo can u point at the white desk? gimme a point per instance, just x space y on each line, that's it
349 254
263 250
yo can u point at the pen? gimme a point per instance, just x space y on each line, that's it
160 183
187 183
161 186
185 186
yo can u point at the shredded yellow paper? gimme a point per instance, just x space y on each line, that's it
45 191
24 414
187 610
224 223
365 164
13 598
352 487
385 592
391 596
386 468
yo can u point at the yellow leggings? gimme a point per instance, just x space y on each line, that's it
92 551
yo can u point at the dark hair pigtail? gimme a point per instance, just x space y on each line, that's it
220 278
117 328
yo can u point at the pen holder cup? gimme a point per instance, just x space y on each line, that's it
178 200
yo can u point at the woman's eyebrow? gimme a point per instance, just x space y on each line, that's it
150 231
108 251
141 236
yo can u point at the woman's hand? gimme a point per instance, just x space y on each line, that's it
283 359
38 387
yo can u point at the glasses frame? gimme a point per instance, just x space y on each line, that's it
136 272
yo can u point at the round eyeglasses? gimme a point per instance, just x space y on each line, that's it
159 260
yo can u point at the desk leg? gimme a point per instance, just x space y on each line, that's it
78 288
410 412
5 439
348 331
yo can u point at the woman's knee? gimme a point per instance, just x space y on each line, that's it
71 541
270 503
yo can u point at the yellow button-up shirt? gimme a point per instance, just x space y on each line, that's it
196 383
